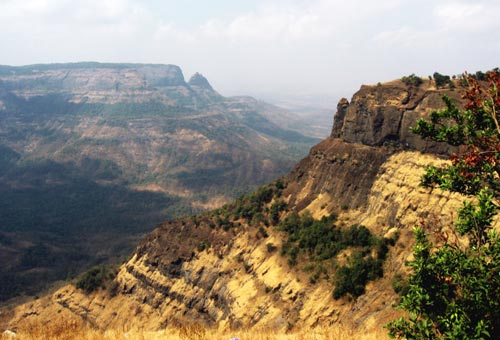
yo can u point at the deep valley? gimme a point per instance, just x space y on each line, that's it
95 155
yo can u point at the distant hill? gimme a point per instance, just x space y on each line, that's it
94 155
310 115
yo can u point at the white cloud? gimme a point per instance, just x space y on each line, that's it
167 31
405 36
315 20
455 13
270 23
45 14
31 8
449 23
468 17
282 22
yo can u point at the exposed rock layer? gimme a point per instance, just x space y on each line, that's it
383 114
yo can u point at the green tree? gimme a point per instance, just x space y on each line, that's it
412 79
454 289
441 79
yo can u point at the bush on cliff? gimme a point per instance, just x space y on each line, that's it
95 278
453 291
412 79
318 242
441 79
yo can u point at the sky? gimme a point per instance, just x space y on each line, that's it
282 47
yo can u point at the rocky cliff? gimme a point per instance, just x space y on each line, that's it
383 114
226 270
96 82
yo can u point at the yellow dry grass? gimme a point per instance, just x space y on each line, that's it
69 330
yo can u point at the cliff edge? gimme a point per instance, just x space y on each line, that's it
383 114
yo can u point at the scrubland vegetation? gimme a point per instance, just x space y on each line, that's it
310 244
319 242
82 179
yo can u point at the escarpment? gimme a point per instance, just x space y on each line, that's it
229 268
383 114
344 171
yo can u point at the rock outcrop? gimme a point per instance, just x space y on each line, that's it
199 80
344 171
383 114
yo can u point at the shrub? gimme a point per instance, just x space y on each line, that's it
270 247
357 235
317 241
279 184
352 279
95 278
263 232
412 80
91 280
113 288
400 285
441 79
275 210
224 223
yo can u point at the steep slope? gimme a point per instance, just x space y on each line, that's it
95 155
228 268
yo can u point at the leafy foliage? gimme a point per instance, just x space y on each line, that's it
81 195
54 218
454 288
275 211
311 242
96 278
352 279
250 205
441 79
320 241
400 285
257 209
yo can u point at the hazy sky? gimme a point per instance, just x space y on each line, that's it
250 47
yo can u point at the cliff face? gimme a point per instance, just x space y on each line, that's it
96 82
383 114
345 171
189 271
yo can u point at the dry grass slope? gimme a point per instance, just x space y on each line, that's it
69 330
